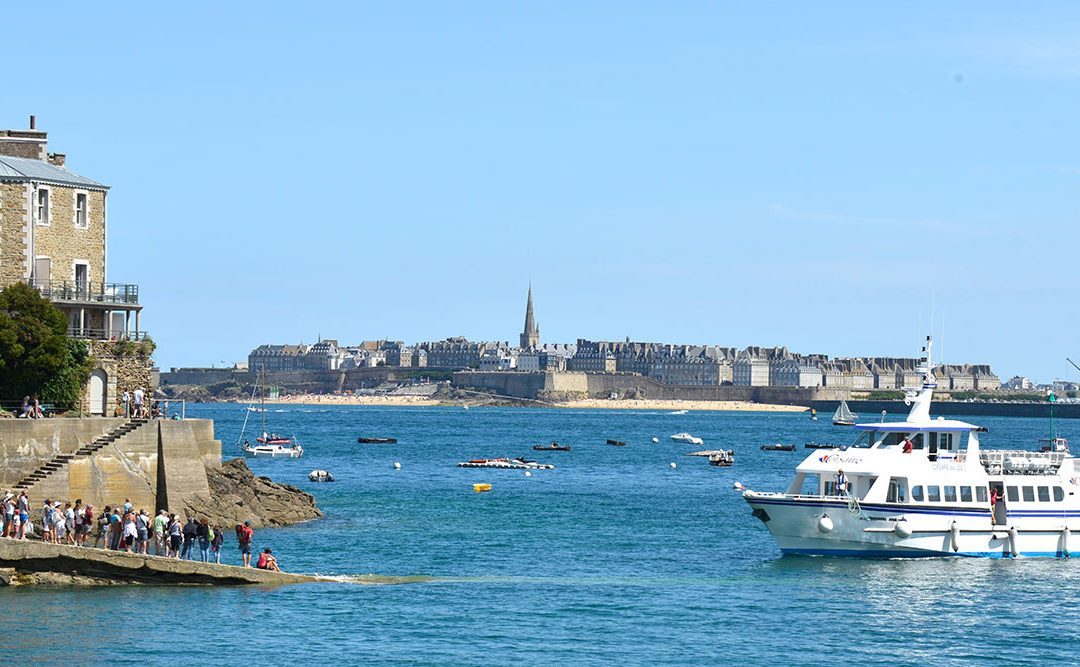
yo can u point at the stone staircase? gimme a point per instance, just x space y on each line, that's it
45 470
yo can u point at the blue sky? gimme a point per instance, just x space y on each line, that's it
799 174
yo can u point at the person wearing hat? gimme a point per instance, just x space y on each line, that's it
841 483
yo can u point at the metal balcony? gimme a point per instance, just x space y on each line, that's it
120 295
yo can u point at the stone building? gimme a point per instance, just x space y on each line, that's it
457 352
53 225
277 358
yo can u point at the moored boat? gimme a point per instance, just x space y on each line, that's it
320 476
820 445
925 487
844 416
723 458
778 447
377 441
273 450
553 447
687 438
506 463
617 443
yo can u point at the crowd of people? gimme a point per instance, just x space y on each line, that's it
122 528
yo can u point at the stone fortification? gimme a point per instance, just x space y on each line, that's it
602 385
158 464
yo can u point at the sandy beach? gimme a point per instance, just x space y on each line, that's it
583 403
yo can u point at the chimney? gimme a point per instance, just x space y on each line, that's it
57 159
31 143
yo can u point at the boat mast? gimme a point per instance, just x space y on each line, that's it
262 405
920 409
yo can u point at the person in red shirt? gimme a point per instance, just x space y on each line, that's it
244 535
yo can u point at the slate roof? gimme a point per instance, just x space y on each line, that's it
21 169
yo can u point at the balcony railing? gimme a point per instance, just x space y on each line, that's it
102 334
77 291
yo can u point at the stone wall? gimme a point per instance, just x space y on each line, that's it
64 243
127 366
14 221
530 385
160 464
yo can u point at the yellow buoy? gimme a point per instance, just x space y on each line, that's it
480 488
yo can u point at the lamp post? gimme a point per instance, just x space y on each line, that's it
1052 398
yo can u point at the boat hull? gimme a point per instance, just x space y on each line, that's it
870 531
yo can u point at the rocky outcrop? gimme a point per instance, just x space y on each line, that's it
238 495
26 562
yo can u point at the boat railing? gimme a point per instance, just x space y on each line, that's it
1020 462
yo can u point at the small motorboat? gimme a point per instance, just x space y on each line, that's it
617 443
687 438
506 464
320 476
820 445
273 450
722 458
679 412
377 441
778 447
553 447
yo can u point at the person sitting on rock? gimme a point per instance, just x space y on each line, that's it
267 561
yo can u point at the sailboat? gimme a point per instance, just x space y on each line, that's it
268 444
844 416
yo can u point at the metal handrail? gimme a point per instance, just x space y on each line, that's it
72 290
105 335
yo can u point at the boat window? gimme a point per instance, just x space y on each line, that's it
865 440
1012 494
933 493
945 441
897 490
1044 494
811 485
950 494
1029 493
965 494
980 494
916 441
916 493
1059 494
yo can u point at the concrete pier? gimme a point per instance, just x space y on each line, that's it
31 562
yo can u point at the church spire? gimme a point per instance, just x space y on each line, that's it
530 337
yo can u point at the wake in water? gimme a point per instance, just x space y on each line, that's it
375 579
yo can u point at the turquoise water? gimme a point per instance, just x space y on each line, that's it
612 557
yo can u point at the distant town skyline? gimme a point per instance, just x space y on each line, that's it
700 174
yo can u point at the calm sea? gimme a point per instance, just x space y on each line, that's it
612 558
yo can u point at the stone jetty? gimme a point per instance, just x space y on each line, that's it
28 562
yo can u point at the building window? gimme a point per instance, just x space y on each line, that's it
81 217
43 206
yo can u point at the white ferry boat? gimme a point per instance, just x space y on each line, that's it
924 487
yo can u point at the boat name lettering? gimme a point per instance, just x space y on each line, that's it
957 467
837 458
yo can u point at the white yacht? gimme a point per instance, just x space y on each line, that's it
273 450
687 438
925 487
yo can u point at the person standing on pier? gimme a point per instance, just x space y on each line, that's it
245 535
215 544
161 524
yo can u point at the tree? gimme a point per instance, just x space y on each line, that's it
36 356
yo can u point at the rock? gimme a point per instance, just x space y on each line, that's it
238 495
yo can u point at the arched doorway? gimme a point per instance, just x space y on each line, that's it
98 382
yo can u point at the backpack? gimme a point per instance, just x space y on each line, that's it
210 533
